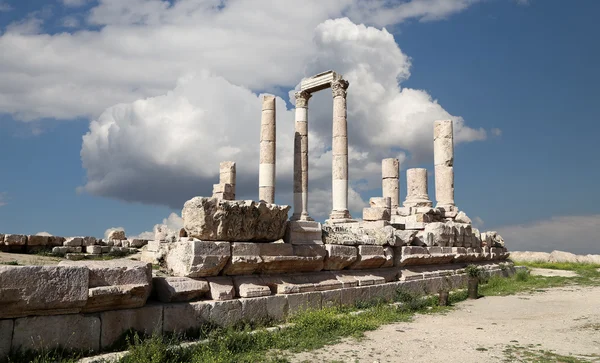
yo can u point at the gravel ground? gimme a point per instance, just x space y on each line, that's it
565 321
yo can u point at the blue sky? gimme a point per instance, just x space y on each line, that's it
525 72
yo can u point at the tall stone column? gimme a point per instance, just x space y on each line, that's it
339 147
389 181
443 155
416 188
266 171
301 158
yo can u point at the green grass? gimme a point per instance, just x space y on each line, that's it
530 353
11 263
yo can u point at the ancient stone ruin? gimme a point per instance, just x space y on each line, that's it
244 260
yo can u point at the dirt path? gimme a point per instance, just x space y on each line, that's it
494 329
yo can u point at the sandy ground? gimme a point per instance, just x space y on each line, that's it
28 259
549 272
562 320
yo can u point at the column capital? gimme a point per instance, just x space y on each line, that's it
302 98
339 87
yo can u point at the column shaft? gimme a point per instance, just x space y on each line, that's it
443 154
389 180
339 187
266 171
301 158
416 188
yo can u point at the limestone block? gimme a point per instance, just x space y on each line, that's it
411 255
298 303
527 256
365 278
36 240
245 259
29 290
346 278
403 237
412 225
179 289
73 242
6 332
331 299
493 239
106 249
254 309
422 239
323 281
403 211
15 240
295 283
197 258
211 219
376 214
185 317
145 320
221 288
304 232
56 241
284 257
116 284
225 313
137 242
95 250
443 233
461 217
369 257
388 252
500 253
250 286
1 239
89 241
339 257
73 331
61 250
354 295
117 235
389 168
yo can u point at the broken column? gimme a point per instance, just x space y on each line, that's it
339 188
301 158
226 188
266 171
443 154
389 180
416 188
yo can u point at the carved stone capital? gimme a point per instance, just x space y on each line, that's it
339 87
302 98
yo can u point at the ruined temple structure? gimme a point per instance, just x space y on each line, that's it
239 260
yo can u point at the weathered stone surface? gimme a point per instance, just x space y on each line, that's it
284 257
364 278
75 256
461 217
145 320
245 259
339 257
36 240
354 295
185 317
56 241
304 233
89 241
197 258
137 242
211 219
403 237
116 284
369 257
74 331
6 332
250 286
73 242
41 290
304 301
61 250
15 240
388 252
117 235
492 239
179 289
323 281
443 234
528 256
376 214
221 288
225 313
95 250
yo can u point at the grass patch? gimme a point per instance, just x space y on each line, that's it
10 263
518 353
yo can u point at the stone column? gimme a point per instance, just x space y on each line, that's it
266 171
226 187
416 188
389 180
339 188
443 155
301 158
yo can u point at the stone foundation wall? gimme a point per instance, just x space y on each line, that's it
96 331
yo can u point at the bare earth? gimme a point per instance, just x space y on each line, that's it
565 321
28 259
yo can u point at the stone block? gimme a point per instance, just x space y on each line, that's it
284 257
36 240
250 286
73 242
331 298
211 219
179 289
95 250
185 317
89 241
376 214
116 284
6 333
366 278
355 295
221 288
254 309
15 240
369 257
75 256
380 202
117 235
245 259
42 290
409 224
225 313
73 331
346 278
304 233
56 241
145 320
461 217
339 256
403 237
137 242
197 258
298 303
388 252
323 281
106 249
